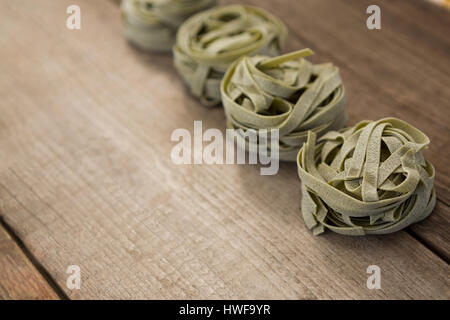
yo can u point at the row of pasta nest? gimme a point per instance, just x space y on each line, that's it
367 179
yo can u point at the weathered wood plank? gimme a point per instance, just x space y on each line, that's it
89 181
19 279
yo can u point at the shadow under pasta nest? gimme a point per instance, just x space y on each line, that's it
283 186
163 61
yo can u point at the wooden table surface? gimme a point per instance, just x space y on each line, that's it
86 177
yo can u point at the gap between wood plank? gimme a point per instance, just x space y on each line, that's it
39 267
427 244
443 202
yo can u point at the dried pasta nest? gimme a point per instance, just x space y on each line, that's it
287 93
152 24
208 42
368 179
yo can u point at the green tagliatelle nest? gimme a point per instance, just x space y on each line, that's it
287 93
368 179
208 42
152 24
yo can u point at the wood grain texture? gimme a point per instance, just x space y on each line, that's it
87 179
19 279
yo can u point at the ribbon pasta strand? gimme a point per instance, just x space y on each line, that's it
287 93
152 24
368 179
208 42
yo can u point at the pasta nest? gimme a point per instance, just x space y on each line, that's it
208 42
152 24
368 179
287 93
